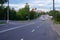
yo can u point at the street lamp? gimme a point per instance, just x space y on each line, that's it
8 12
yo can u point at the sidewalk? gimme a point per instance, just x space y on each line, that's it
56 28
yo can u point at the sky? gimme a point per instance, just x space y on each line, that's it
44 5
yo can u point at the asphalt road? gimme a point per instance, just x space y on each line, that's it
34 30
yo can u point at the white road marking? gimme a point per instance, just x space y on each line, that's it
17 27
33 30
22 39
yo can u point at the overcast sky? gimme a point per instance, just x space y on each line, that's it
44 5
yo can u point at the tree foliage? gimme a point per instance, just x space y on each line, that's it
3 14
2 2
25 13
22 14
56 15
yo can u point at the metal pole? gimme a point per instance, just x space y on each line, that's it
8 12
54 14
53 8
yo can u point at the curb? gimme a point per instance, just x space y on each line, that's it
57 33
54 29
2 24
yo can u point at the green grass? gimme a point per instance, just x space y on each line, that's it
2 22
57 22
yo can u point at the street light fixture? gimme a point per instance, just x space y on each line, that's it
8 12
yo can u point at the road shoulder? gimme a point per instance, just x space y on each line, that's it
56 28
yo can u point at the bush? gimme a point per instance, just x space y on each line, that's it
56 15
33 15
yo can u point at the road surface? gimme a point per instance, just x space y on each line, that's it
34 30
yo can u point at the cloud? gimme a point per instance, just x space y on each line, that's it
39 4
15 6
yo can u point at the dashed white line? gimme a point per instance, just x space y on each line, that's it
17 27
33 30
22 39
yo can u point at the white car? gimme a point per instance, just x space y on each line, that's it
51 17
42 18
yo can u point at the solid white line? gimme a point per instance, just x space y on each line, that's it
16 27
13 28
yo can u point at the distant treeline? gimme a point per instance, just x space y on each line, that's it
22 14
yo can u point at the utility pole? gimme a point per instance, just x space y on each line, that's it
53 8
8 12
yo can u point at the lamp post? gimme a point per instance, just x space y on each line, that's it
8 12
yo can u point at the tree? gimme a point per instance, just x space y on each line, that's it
34 15
56 15
51 13
24 12
2 2
12 14
1 13
2 9
27 9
